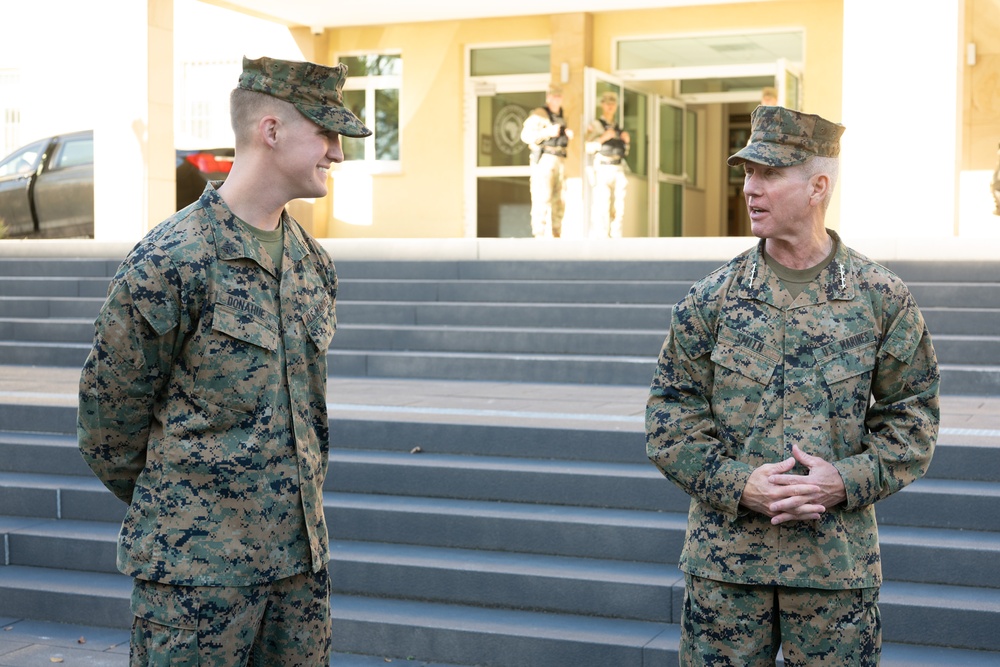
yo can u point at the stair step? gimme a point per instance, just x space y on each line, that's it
941 503
558 584
941 615
65 596
504 340
946 320
565 369
29 353
938 556
654 537
67 307
499 638
58 497
504 289
972 380
45 286
547 315
578 483
71 545
576 443
935 294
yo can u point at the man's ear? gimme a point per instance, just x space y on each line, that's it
267 129
819 186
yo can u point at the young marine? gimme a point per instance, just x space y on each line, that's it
203 400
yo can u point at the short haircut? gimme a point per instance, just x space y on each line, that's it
247 107
821 164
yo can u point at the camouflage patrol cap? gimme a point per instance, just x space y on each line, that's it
780 137
315 90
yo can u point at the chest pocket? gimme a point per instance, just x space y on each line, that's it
848 358
240 357
744 367
746 355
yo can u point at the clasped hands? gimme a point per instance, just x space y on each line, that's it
783 497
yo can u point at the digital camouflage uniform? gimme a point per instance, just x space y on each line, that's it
203 402
203 407
847 372
745 373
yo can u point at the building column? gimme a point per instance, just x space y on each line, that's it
901 150
134 158
571 52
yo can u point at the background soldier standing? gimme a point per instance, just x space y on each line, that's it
609 144
796 387
545 131
203 400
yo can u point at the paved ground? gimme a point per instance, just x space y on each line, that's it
25 643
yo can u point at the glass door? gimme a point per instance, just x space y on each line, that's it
671 174
505 83
503 199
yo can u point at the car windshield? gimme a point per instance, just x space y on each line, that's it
22 161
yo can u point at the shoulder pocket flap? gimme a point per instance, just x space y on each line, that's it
117 336
248 327
847 358
745 355
151 297
904 335
689 329
321 323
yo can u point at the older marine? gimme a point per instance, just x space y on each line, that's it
797 386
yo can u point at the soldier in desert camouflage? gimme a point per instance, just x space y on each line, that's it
797 386
547 136
203 400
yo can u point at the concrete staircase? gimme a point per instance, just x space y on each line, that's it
517 544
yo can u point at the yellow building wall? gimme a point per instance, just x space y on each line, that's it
981 94
821 20
427 197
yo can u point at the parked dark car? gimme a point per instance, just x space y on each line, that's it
47 187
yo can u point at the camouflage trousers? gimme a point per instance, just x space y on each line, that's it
546 187
608 200
286 622
725 624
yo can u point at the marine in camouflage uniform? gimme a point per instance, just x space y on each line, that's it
545 131
817 388
203 400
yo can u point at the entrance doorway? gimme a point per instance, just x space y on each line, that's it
701 91
685 117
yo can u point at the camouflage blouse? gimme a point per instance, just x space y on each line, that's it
846 371
203 401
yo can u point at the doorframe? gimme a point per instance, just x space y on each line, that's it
487 86
484 86
659 101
